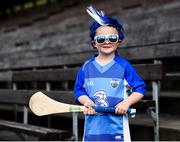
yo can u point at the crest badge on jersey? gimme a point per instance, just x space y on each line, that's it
115 83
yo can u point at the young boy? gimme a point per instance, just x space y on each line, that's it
105 80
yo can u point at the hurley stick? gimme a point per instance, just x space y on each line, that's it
40 104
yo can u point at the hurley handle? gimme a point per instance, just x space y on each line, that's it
130 111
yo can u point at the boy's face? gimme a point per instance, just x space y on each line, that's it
106 40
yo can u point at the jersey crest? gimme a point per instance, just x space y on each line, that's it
114 83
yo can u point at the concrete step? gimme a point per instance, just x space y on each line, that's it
142 128
12 136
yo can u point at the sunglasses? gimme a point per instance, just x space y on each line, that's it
102 38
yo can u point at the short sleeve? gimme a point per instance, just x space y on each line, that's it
79 89
134 80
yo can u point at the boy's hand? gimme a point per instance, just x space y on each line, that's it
89 110
121 108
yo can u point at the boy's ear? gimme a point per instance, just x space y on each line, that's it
119 41
93 43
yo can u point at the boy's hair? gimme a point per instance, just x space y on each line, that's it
112 21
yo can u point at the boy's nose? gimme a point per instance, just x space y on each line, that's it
106 41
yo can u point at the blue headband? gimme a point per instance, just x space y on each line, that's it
100 20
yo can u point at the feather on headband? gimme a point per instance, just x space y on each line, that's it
97 15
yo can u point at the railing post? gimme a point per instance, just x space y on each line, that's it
25 113
15 106
74 116
155 116
75 125
155 96
48 88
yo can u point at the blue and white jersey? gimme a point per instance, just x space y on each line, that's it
107 86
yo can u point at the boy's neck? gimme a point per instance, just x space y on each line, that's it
104 59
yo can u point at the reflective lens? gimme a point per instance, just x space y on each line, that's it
102 38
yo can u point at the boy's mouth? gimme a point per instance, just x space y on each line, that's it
106 46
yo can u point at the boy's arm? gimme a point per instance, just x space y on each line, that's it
133 98
85 100
80 94
134 81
